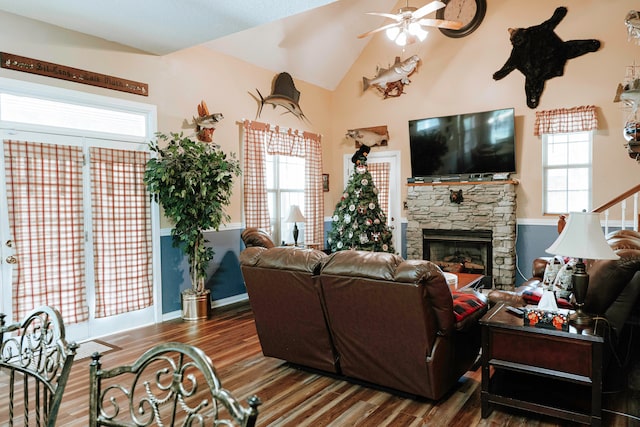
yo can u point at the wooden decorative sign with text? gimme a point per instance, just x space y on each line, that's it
49 69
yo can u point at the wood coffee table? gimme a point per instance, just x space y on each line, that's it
547 371
467 281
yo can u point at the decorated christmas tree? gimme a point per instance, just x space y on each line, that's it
358 221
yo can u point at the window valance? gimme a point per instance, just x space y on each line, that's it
564 120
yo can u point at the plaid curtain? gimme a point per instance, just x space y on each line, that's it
380 174
313 195
565 120
46 217
254 172
121 231
260 139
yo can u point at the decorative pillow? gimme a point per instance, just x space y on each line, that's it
465 304
532 296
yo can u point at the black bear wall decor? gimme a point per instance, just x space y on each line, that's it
456 196
540 54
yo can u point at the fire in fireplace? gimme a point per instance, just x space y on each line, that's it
459 251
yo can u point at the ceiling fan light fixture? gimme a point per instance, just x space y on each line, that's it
401 40
416 30
392 33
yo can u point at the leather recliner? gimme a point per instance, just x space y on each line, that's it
368 316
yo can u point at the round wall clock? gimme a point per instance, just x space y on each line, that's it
469 12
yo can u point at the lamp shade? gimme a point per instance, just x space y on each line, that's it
582 237
295 215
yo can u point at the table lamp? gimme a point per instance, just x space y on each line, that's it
582 238
295 216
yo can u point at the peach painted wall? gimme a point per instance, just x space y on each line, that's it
455 76
177 83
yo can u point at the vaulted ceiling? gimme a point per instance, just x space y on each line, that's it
313 40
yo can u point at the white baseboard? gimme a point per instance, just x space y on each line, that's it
217 303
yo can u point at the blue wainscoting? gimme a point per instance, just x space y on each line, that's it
224 277
531 243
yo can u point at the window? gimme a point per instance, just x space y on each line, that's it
294 178
285 188
566 164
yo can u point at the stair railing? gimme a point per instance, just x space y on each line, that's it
622 200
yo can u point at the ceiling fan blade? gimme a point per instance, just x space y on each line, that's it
386 15
383 28
427 9
440 23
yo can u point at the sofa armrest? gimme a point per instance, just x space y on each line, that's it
512 298
254 236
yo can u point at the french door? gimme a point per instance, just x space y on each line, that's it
76 231
384 167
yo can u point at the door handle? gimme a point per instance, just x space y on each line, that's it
12 260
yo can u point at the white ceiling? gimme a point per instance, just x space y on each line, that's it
313 40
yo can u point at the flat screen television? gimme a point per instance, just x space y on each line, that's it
463 145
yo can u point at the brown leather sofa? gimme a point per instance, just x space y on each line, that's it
368 316
614 285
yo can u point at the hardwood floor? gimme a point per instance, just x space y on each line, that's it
296 397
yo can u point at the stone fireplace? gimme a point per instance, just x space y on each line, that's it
479 233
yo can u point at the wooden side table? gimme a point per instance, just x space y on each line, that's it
546 371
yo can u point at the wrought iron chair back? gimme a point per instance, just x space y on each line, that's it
35 362
170 384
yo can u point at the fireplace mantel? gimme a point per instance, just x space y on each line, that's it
486 205
458 183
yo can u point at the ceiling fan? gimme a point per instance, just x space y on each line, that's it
409 21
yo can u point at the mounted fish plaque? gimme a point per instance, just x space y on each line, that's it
391 81
284 94
373 136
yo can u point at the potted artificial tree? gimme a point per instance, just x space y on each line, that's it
192 180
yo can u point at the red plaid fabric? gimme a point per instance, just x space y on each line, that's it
380 174
46 217
121 231
465 303
565 120
260 139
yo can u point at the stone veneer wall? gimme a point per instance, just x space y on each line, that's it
486 206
